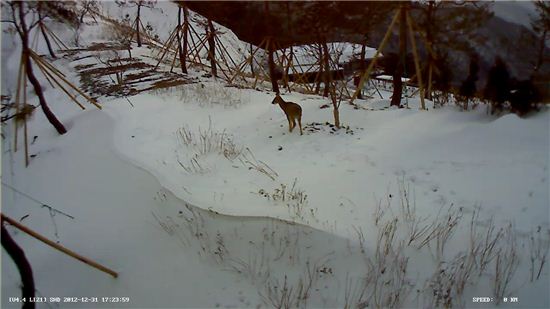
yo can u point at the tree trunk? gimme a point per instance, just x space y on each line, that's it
326 71
210 32
429 41
398 73
137 25
23 265
251 60
540 58
185 40
287 69
320 72
283 70
336 113
50 49
180 50
45 35
362 67
272 76
30 74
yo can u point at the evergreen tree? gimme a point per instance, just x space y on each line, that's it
468 87
523 97
497 89
541 25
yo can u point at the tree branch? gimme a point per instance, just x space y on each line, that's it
12 6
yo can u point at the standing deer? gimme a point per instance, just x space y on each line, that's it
292 111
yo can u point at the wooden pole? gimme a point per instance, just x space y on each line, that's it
210 33
180 50
173 62
373 61
224 53
46 76
190 31
45 35
46 73
56 39
17 97
59 74
58 246
250 58
185 31
416 62
272 77
46 63
166 46
25 135
197 48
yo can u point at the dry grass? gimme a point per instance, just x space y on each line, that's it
287 275
214 94
202 143
293 197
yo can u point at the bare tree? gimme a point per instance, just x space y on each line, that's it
20 24
88 7
182 50
137 4
23 265
541 25
399 69
210 34
448 25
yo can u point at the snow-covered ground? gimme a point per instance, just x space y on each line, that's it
200 197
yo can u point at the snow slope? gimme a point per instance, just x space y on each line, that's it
448 156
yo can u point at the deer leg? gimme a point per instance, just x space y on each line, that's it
289 124
300 124
293 124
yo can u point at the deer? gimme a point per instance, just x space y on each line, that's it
292 111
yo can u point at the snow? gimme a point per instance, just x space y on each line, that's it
187 224
448 156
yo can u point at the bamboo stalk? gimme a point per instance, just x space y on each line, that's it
163 45
195 51
59 74
73 98
373 61
192 41
166 47
173 62
144 33
416 62
20 75
56 38
26 142
226 52
248 60
25 135
59 247
49 65
302 76
222 56
223 52
46 76
202 41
